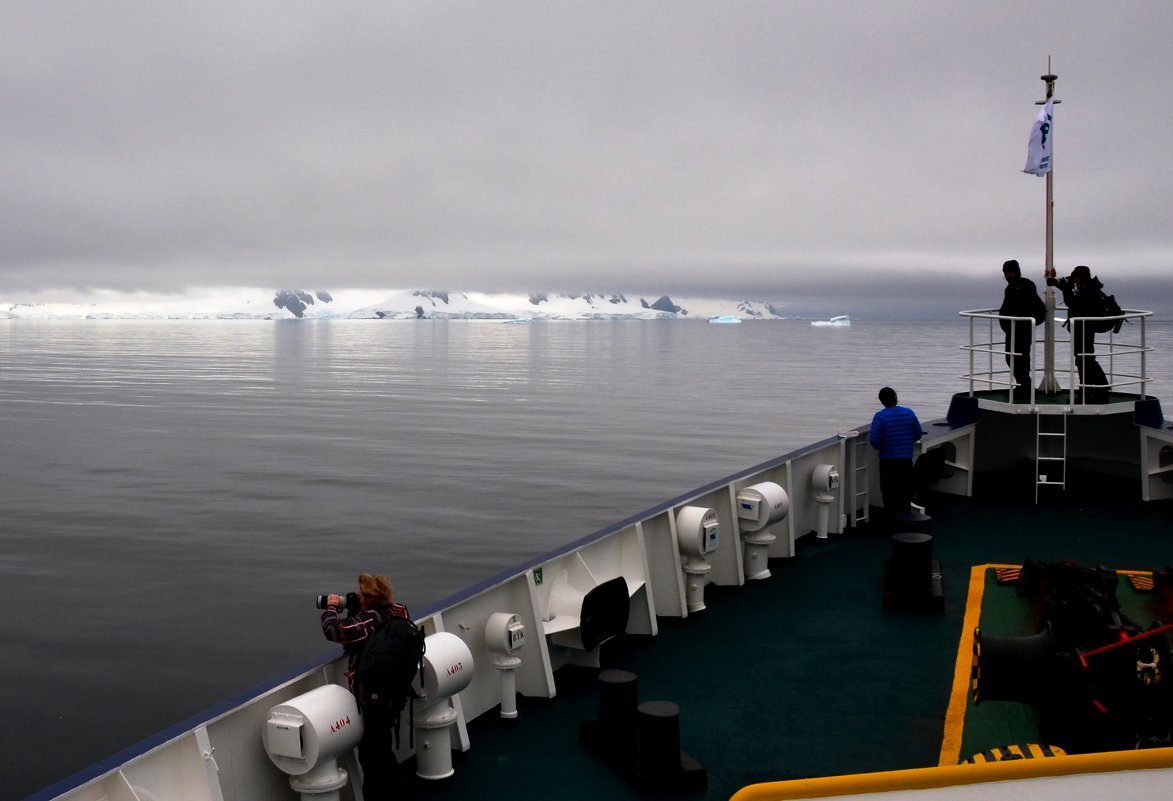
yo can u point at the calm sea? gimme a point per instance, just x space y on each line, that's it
173 494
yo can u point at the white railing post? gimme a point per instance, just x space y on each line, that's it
971 357
1144 374
990 354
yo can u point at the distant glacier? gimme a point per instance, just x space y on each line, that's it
366 304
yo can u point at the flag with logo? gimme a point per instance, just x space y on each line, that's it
1038 152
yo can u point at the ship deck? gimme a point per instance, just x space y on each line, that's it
801 675
804 674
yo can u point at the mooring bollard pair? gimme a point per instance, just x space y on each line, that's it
641 741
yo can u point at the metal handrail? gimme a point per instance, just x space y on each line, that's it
1002 377
1118 348
997 377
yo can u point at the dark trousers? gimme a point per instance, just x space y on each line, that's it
1018 358
896 487
1090 372
382 778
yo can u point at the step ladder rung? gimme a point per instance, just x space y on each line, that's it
1051 428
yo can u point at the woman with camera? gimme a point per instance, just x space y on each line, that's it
366 612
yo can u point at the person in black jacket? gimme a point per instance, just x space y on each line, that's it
1021 300
1083 295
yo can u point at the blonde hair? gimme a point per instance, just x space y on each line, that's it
374 589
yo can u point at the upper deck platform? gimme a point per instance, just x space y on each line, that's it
1059 428
1055 365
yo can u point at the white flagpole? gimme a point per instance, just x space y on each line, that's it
1049 384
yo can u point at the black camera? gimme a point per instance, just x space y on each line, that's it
349 601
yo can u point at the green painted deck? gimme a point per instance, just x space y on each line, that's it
803 674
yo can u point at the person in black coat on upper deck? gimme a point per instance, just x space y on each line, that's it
1083 294
1021 300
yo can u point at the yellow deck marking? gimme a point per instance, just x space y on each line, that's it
959 697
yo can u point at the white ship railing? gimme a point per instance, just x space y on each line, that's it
1123 355
997 373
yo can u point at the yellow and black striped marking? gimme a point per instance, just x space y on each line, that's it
1142 582
1010 752
1008 575
975 670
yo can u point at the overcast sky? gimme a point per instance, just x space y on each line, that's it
868 151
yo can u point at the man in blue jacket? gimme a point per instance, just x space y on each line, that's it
895 431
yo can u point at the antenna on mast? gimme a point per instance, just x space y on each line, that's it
1050 79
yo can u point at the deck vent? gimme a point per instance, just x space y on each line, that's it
697 536
504 637
448 669
305 736
824 484
759 507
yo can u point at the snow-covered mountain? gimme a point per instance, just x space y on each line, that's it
264 304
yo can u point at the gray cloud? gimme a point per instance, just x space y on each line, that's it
746 148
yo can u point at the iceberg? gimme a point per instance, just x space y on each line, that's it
840 321
725 319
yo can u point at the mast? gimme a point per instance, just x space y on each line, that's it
1049 385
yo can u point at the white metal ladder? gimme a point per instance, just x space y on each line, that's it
859 481
1050 448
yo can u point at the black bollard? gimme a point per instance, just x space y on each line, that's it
912 563
641 742
617 709
659 739
912 578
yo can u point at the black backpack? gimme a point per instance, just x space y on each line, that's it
1109 308
389 661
